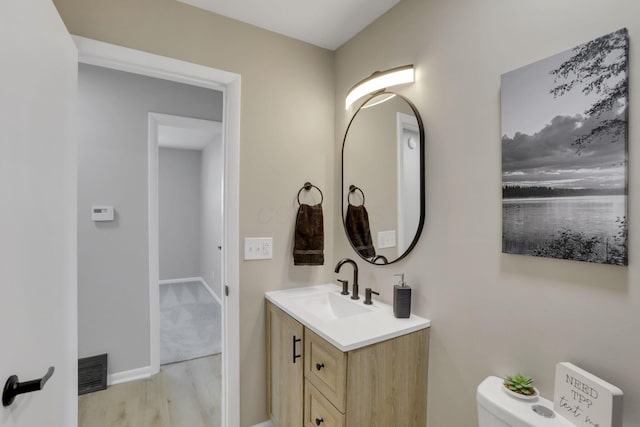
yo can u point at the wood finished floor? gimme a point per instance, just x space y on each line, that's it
185 394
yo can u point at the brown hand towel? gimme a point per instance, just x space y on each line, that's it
357 225
309 236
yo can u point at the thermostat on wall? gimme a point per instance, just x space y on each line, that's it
102 213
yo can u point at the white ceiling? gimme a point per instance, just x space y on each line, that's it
324 23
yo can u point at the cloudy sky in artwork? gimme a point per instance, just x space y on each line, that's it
538 131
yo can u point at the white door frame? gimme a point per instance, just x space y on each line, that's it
404 122
124 59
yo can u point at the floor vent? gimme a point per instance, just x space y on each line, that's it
92 374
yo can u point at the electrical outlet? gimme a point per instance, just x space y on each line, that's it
386 239
258 248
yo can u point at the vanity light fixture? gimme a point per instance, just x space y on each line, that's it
378 81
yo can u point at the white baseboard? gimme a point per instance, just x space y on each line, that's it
126 376
208 288
182 280
267 423
193 279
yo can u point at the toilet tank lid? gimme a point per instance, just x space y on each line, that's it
513 411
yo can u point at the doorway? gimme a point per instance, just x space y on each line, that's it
104 55
189 211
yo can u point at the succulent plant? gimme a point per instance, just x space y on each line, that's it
521 384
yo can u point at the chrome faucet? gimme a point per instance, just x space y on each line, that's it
354 293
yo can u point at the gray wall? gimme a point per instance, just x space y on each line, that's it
179 195
495 314
113 261
212 170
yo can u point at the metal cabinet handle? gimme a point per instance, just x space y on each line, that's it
319 421
319 366
295 356
13 387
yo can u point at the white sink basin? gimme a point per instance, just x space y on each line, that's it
328 305
347 324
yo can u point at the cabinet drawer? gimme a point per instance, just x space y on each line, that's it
325 368
318 411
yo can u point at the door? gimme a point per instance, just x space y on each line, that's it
37 212
285 370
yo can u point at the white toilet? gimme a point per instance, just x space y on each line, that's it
497 409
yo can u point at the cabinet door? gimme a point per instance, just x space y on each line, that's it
285 347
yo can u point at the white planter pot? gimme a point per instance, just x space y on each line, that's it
521 396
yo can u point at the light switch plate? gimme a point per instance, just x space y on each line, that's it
258 248
386 239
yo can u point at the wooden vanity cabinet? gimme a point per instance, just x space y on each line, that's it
380 385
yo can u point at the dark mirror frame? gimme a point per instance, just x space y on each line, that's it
422 178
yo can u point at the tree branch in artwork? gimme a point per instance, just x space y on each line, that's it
592 67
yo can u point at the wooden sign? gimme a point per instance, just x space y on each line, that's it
586 400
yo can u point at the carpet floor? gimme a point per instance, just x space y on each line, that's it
190 322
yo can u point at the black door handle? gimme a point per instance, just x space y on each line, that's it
295 356
319 421
13 387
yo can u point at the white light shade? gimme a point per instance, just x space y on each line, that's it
380 80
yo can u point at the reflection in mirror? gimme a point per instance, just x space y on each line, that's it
383 179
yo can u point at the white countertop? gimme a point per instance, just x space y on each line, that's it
374 325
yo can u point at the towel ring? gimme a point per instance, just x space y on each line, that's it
352 189
307 186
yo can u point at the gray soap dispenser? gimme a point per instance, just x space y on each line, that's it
401 299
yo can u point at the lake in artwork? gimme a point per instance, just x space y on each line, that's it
564 154
529 224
